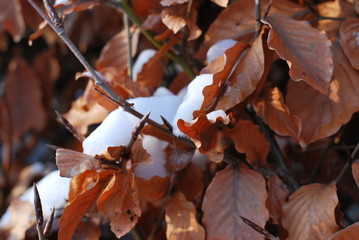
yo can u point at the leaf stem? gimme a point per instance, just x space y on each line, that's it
125 7
129 46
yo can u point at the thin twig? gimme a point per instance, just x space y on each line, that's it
135 134
48 226
319 18
268 8
347 164
258 229
109 93
151 122
258 14
129 46
125 7
70 128
38 213
283 171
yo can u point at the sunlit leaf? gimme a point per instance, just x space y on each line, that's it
307 50
181 219
234 192
119 202
309 213
349 233
153 190
349 40
322 115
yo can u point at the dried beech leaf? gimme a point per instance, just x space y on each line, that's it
322 115
87 230
355 171
153 190
245 77
11 18
193 177
77 208
23 96
181 219
349 233
211 92
248 139
144 8
177 158
221 3
114 53
119 202
277 195
167 3
349 40
173 18
307 50
234 192
72 163
271 107
309 213
202 131
139 155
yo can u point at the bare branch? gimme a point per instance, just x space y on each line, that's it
70 128
38 213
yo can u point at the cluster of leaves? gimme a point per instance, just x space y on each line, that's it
274 161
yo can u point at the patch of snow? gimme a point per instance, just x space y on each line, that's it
212 116
192 101
156 148
141 60
218 49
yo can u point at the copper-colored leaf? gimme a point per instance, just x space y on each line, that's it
248 139
181 219
245 77
119 202
139 155
212 92
11 18
167 3
221 3
277 195
202 131
173 18
23 97
153 190
193 177
349 40
234 192
322 115
307 51
355 171
349 233
77 208
72 163
271 107
309 213
87 230
114 54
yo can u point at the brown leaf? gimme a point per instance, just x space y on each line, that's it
87 230
277 195
322 115
11 18
181 219
23 97
177 158
203 131
355 171
245 77
144 8
72 163
139 155
309 213
167 3
119 202
241 27
271 108
221 3
349 233
307 51
193 177
173 17
248 139
77 208
213 91
153 190
234 192
349 40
